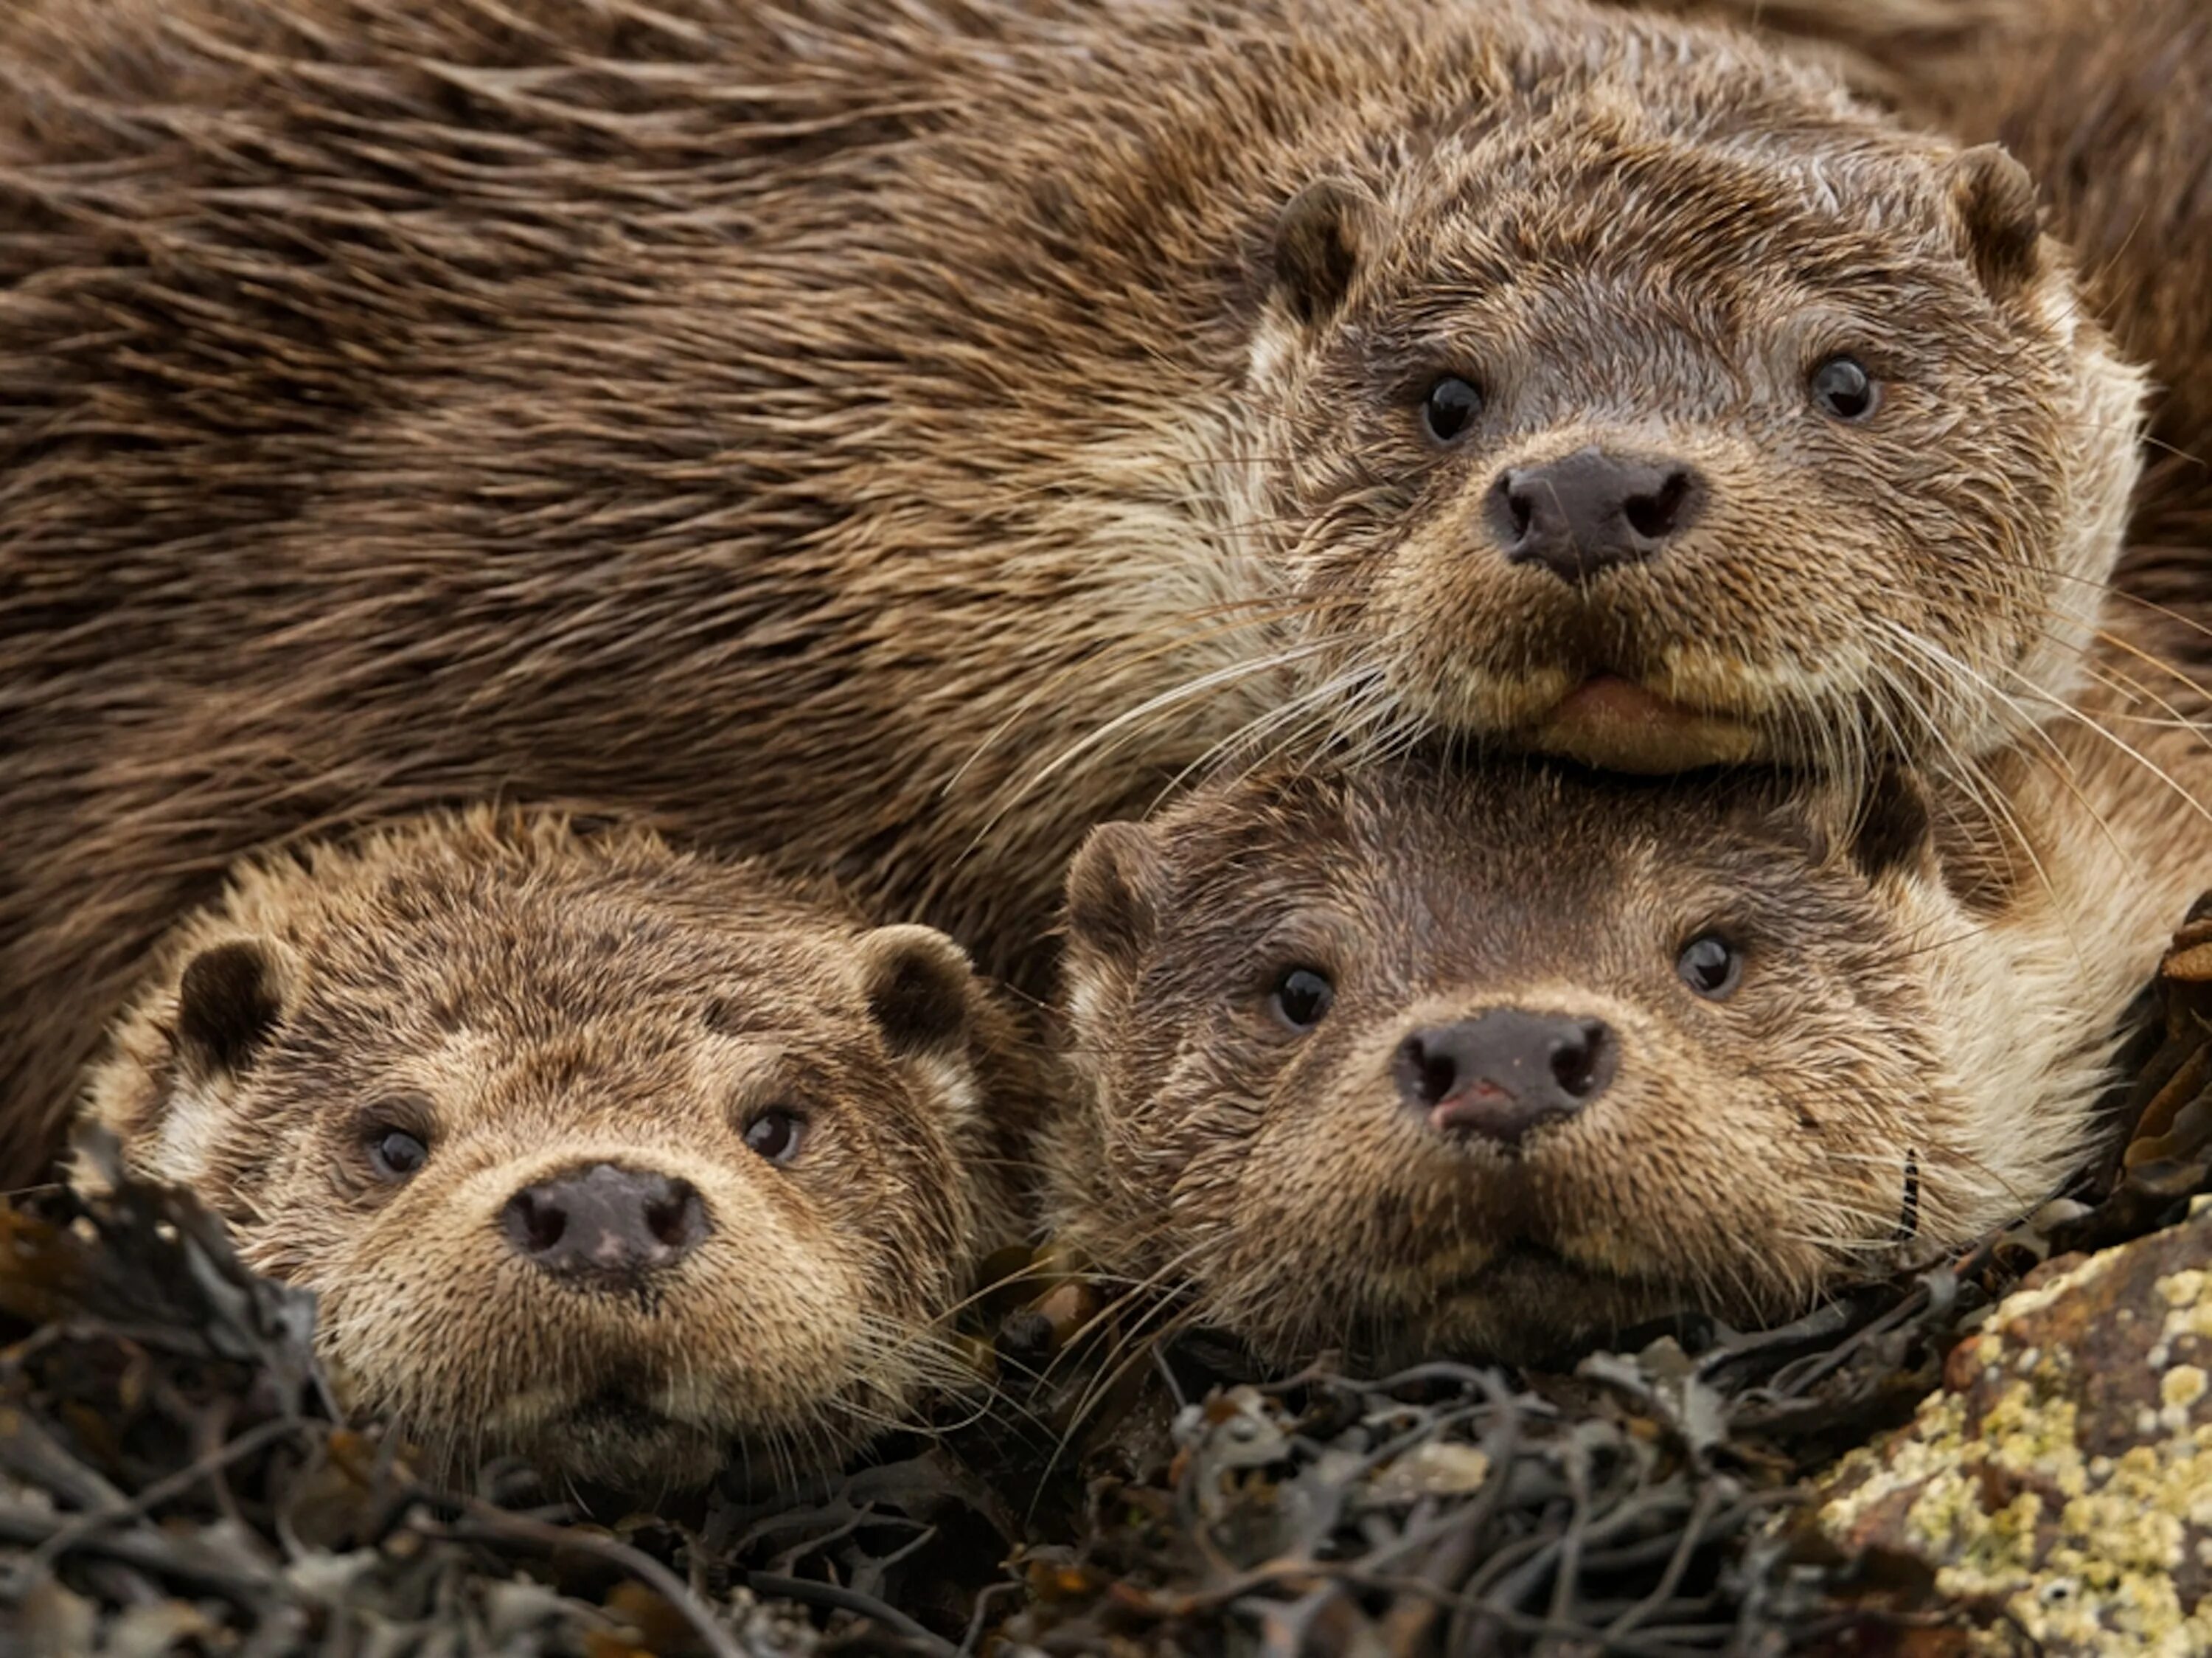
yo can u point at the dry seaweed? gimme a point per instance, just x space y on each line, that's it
174 1476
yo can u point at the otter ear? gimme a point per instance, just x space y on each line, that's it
1998 210
1321 235
228 1005
1887 825
1893 826
1884 826
920 985
1114 890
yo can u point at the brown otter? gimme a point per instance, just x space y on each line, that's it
620 1158
1496 1060
917 434
2104 102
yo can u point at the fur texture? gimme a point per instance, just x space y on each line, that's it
893 430
526 1002
2104 102
1912 1056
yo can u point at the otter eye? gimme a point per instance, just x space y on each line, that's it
1301 998
1710 965
1451 408
395 1154
1841 387
776 1134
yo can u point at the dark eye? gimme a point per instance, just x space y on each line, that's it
395 1154
775 1134
1710 965
1301 998
1841 387
1451 408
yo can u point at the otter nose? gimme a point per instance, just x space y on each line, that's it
1581 515
606 1222
1502 1073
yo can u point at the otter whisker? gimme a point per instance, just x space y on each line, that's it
1104 738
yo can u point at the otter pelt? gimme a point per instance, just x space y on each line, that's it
1934 989
527 998
411 400
2108 105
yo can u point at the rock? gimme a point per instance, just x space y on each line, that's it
2059 1484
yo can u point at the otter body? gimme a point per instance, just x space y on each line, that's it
627 1160
917 439
1501 1060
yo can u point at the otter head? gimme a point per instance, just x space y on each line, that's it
1497 1063
1657 406
625 1162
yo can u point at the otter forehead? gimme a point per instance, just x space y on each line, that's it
1578 261
499 957
1529 868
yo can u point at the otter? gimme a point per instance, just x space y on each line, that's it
1501 1059
2104 102
961 424
622 1159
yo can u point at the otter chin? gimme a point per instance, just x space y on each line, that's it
616 1436
1502 1058
1617 724
629 1162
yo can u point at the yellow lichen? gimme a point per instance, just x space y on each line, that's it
2189 1316
2092 1572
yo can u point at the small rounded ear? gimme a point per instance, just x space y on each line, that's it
1893 826
919 987
1879 827
1321 235
1998 215
1114 890
228 1005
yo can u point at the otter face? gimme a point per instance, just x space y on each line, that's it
1495 1062
624 1161
1670 411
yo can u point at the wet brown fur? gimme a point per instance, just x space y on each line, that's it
886 428
2108 105
1927 1007
530 1001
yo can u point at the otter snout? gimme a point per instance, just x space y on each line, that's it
605 1222
1581 515
1502 1073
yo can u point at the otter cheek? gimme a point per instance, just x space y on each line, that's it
1461 645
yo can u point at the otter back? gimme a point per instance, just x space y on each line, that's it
913 439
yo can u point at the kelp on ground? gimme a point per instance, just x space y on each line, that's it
174 1476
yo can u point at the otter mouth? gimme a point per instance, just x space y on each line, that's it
1529 1303
618 1439
615 1411
1525 1270
1615 723
1521 1257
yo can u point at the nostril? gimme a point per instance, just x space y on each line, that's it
1521 508
1658 513
1578 1062
1426 1075
1439 1077
677 1217
1512 508
539 1222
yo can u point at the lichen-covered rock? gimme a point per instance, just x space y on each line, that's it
2060 1483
